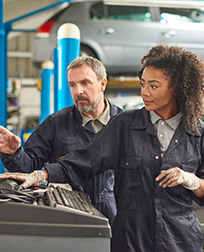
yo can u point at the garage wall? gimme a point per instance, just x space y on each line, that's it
20 68
19 57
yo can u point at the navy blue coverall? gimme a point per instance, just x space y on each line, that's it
59 134
150 218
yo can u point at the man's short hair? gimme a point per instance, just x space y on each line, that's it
95 64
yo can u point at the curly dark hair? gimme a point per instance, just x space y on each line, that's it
186 73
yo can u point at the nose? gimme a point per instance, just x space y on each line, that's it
79 90
145 91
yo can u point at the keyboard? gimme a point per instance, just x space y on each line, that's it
62 197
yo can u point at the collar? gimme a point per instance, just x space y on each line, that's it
114 110
173 122
141 120
103 118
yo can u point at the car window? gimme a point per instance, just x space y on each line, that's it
180 15
97 11
115 12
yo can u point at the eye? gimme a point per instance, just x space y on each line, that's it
154 86
72 85
141 84
85 83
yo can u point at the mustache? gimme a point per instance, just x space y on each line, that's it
80 98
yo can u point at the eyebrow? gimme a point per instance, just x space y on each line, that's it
152 81
88 80
85 80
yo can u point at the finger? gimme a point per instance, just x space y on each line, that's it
15 141
164 176
14 138
26 184
5 175
170 181
10 175
171 172
169 178
4 130
23 186
161 175
175 183
165 180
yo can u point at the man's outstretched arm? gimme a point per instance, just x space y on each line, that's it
9 143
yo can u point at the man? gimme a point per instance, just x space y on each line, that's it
69 129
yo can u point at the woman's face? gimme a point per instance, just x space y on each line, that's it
157 93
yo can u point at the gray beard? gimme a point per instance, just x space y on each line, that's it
89 107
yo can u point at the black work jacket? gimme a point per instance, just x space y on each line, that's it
59 134
149 218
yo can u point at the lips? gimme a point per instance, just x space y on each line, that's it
147 102
81 99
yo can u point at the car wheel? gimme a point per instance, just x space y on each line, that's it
87 51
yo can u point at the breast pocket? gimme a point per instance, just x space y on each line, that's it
130 162
131 172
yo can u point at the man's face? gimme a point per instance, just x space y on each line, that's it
86 89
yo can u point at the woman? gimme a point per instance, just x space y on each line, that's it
157 153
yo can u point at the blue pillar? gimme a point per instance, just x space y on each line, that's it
68 49
55 60
3 72
3 68
46 90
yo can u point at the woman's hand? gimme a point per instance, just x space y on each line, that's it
175 176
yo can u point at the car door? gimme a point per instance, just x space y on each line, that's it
124 34
182 27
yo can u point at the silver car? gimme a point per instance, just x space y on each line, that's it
119 36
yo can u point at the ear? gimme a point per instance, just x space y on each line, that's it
103 85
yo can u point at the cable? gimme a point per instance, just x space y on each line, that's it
15 197
17 192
